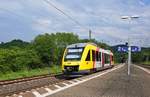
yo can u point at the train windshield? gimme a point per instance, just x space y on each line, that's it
74 54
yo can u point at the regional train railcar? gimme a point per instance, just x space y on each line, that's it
83 58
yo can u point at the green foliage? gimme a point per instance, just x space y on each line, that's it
137 57
28 73
46 50
14 43
50 47
18 59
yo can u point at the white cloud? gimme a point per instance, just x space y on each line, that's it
42 25
103 17
14 5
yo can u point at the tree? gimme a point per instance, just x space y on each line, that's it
14 43
50 47
17 59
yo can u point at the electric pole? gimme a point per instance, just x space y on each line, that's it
129 56
90 34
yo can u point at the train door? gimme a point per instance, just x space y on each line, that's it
93 58
89 60
110 59
98 60
107 60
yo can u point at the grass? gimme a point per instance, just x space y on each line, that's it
34 72
146 63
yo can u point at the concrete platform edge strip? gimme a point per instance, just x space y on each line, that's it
144 69
78 82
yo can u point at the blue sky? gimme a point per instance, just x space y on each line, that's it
25 19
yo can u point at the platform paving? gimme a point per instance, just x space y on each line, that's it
114 84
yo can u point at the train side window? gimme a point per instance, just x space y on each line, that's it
93 55
107 58
88 56
97 56
100 56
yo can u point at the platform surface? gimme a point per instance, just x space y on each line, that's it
114 84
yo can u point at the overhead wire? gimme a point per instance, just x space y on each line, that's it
64 13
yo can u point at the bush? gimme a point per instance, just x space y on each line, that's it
18 59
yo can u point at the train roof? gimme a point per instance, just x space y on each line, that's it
79 45
106 51
84 44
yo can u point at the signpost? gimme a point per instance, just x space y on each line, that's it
129 49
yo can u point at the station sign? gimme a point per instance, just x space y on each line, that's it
125 49
122 49
135 49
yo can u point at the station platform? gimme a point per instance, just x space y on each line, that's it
113 84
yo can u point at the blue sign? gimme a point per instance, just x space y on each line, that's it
122 49
125 49
135 49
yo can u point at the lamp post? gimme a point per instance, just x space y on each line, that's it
129 45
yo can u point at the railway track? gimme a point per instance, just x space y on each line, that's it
6 82
9 87
145 66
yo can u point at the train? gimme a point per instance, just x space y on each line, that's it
84 58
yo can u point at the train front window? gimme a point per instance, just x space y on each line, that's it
74 54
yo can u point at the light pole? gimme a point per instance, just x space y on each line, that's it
129 45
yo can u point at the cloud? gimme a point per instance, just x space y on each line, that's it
101 16
42 24
14 5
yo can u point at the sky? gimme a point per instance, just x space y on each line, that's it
25 19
